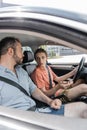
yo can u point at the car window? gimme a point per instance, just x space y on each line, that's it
63 55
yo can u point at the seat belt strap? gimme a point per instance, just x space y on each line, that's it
13 83
50 80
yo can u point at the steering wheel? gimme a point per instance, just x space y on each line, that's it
80 67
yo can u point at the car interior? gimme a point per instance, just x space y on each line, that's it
35 33
81 73
45 26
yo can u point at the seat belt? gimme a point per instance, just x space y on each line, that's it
13 83
50 80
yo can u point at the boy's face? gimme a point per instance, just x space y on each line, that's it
41 59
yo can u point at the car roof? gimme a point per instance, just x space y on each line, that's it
70 15
62 19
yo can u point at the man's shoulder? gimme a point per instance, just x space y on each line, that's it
19 68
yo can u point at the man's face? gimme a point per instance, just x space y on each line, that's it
18 54
41 59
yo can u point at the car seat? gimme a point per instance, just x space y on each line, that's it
27 62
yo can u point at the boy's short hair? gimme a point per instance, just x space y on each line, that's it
40 50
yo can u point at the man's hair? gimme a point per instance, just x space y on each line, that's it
7 42
40 50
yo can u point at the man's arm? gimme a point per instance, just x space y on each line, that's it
37 94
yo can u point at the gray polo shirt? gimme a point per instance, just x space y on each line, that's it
11 96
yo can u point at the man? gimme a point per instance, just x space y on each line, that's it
10 57
40 76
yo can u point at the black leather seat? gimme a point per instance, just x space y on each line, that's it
27 62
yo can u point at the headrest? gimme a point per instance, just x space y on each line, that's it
28 56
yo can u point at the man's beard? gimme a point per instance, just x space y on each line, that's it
18 60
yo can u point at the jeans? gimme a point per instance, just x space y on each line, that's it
49 110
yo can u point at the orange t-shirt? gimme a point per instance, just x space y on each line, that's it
41 78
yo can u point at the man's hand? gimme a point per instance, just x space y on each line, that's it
55 104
